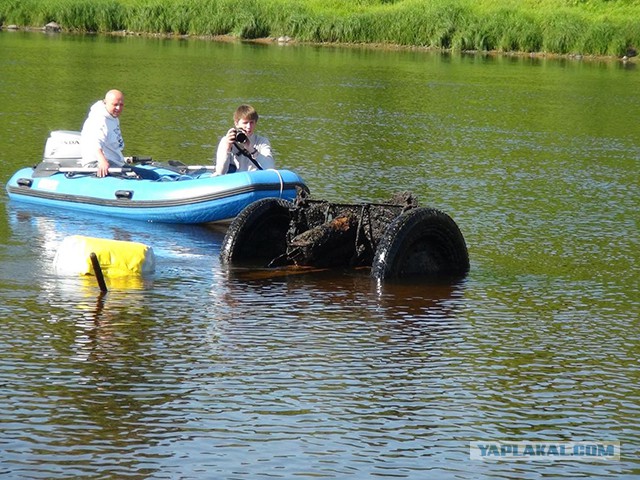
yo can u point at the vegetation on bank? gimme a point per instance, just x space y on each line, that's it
581 27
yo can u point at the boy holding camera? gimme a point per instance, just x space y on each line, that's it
241 149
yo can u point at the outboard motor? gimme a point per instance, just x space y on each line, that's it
63 148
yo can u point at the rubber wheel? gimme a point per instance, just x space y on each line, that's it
421 242
258 234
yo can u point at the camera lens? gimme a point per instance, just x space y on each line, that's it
241 137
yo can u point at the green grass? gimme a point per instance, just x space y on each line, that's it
586 27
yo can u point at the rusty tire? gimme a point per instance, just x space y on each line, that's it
421 242
258 234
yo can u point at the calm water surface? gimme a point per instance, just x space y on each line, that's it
203 372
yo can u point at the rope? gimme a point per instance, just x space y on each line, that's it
281 180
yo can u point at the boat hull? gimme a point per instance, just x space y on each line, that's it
170 198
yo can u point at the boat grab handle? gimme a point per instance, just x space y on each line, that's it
124 194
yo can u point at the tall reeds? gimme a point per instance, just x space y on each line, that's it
598 27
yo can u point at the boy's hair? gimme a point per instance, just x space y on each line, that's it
245 112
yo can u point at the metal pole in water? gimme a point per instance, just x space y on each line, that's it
98 271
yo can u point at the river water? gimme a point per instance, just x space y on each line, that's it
200 371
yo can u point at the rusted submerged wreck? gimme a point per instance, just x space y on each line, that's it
397 238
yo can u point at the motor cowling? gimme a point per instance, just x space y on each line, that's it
63 147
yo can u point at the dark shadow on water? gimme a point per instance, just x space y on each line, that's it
341 311
408 299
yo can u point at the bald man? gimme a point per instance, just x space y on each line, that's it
101 139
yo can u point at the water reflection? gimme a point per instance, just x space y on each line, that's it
326 354
396 319
198 371
50 227
110 382
99 364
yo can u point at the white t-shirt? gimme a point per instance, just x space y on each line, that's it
264 157
101 131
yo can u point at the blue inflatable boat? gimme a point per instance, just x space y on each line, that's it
147 192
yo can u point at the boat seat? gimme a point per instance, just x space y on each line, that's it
146 173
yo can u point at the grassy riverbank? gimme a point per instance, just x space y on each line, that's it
580 27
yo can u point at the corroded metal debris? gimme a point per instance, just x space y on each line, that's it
397 238
326 234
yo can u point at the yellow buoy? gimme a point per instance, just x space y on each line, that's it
115 257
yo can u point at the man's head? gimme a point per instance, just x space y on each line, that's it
114 102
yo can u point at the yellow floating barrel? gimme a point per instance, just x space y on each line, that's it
116 258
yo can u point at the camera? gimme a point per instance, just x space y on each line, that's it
241 136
